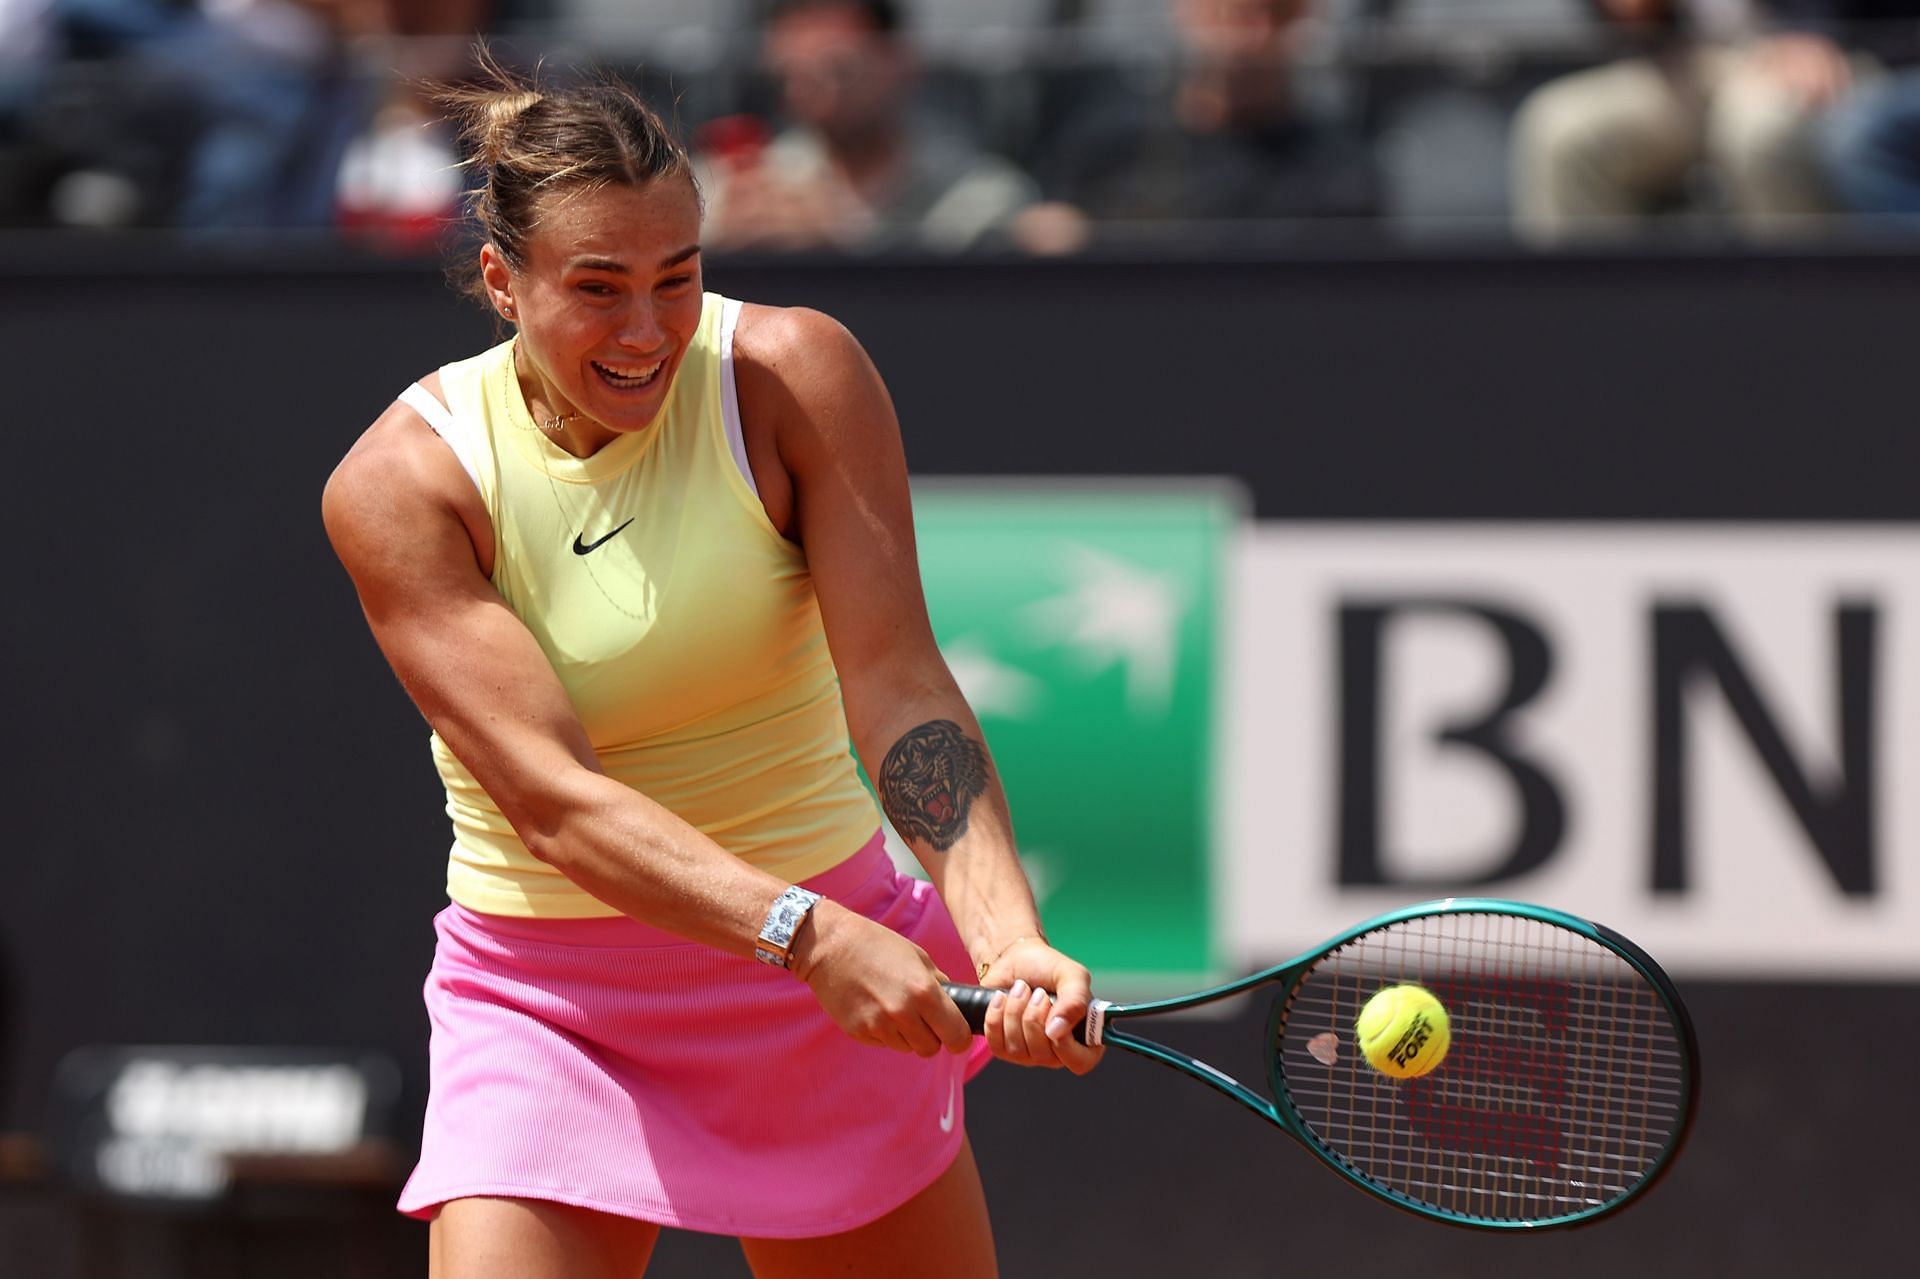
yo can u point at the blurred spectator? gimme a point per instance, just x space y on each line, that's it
29 43
856 166
242 114
1232 136
399 180
1725 97
1870 148
211 114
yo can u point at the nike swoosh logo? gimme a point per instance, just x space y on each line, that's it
581 548
946 1120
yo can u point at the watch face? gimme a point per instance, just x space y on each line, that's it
791 907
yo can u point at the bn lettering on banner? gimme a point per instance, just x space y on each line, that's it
1697 734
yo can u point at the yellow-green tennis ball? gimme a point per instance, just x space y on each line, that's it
1403 1031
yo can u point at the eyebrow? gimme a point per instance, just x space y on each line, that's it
620 268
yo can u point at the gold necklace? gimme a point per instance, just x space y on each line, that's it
553 423
509 386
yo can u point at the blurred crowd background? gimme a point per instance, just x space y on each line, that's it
1041 127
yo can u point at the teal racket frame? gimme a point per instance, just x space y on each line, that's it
1280 1109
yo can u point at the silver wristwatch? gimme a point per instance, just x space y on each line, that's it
783 921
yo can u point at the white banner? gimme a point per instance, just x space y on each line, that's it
1704 736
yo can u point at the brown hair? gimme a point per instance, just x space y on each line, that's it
525 142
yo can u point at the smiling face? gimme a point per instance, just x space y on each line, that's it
606 299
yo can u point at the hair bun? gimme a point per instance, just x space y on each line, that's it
493 119
581 136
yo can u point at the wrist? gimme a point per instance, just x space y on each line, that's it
810 941
992 953
789 912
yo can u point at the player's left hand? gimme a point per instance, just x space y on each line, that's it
1046 996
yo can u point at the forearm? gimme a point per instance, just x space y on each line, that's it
646 862
938 786
877 985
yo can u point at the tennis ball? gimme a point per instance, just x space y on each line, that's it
1403 1031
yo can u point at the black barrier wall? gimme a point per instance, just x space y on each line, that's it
224 826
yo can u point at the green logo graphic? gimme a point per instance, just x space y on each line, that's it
1081 621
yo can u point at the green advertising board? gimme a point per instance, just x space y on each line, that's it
1082 622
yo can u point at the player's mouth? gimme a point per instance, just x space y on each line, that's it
629 377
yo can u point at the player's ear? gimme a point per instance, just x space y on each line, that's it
497 277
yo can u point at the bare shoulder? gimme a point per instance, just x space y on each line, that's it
389 457
397 474
804 370
795 346
772 337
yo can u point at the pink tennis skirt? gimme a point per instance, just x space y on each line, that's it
610 1065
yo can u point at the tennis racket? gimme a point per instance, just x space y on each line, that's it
1567 1091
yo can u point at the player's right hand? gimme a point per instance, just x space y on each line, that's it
877 986
1047 993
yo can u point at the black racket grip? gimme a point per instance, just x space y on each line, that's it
973 1001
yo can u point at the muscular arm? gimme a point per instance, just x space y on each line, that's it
838 440
410 530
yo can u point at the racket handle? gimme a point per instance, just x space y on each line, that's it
973 1001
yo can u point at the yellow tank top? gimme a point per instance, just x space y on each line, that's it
682 625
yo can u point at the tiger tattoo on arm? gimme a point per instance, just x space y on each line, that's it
929 780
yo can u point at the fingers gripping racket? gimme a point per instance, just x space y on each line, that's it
1567 1090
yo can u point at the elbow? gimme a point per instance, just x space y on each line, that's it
877 700
549 795
548 825
538 833
545 848
567 815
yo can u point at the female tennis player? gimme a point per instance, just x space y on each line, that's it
648 570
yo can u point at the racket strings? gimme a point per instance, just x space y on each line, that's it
1565 1086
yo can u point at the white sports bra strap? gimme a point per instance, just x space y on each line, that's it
440 418
730 395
